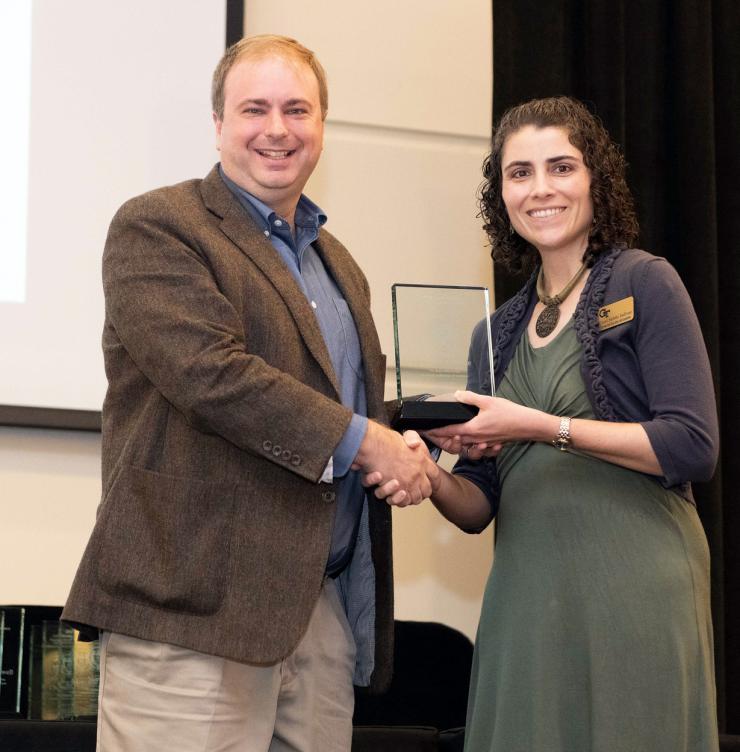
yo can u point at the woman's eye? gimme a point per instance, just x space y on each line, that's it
563 169
519 174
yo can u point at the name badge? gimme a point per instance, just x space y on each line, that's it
616 313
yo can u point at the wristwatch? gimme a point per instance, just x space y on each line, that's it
562 440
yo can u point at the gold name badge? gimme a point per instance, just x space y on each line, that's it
616 313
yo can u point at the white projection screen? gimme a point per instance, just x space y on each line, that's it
104 100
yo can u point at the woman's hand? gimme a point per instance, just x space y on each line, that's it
498 422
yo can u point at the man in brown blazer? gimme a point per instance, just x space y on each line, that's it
238 574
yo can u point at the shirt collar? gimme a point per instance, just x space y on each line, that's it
307 213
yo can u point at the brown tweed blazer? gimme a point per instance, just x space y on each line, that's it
221 414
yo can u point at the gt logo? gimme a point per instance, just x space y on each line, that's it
616 313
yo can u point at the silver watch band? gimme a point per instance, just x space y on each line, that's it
562 440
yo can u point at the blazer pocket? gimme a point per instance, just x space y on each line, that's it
165 540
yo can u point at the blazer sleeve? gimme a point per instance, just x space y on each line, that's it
683 427
188 340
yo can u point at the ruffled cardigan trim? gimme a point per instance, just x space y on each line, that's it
585 321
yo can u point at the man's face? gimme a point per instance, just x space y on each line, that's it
271 134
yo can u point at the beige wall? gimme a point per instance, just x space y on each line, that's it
49 489
408 126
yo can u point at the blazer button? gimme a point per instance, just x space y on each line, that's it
277 450
287 454
295 460
328 496
267 445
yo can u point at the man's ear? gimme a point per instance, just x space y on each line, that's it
218 123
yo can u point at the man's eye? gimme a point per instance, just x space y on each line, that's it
296 111
253 111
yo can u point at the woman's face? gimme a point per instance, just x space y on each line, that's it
546 188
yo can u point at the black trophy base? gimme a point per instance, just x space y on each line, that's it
422 416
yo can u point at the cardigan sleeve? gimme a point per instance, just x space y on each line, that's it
482 472
682 427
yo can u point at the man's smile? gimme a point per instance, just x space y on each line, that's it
275 153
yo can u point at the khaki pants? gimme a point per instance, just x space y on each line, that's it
156 697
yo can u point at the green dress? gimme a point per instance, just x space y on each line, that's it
595 631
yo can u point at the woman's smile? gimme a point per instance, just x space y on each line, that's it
544 213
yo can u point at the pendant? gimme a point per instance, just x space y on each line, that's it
547 320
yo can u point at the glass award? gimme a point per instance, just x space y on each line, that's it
64 673
21 660
441 334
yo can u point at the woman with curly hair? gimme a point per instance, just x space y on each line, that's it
595 631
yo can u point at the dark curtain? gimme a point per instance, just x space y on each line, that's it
663 76
234 21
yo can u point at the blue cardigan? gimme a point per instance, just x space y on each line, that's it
652 370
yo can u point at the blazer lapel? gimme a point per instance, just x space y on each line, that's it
240 229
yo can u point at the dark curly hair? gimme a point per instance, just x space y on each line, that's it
615 223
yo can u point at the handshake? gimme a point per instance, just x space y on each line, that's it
400 466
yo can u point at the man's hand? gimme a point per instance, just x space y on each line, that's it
405 468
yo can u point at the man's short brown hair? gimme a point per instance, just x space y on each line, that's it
260 47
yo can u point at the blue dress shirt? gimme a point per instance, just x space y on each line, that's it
340 334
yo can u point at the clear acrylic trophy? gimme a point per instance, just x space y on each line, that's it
437 329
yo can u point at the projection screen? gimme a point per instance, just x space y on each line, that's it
105 100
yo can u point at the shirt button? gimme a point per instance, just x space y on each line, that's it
313 304
267 233
328 496
278 223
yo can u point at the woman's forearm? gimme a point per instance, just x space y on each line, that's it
501 421
461 501
624 444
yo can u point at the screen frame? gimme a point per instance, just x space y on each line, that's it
22 416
